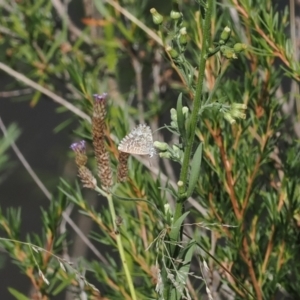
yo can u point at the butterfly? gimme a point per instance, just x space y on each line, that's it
139 141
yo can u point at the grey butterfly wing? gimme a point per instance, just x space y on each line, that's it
138 141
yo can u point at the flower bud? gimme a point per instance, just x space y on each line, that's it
180 183
174 124
228 52
225 35
229 118
239 47
238 106
173 53
182 36
175 15
238 114
156 17
165 155
161 146
177 153
185 111
238 110
173 114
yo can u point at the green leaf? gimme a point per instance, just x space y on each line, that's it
17 294
110 52
174 233
180 118
195 170
187 257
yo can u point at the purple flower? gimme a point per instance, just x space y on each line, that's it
78 147
101 97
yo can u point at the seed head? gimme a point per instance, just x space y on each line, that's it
100 105
87 178
123 167
84 173
80 156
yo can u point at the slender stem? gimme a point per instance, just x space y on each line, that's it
119 243
195 111
169 292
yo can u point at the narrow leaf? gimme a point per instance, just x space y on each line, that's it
17 294
187 257
195 170
174 233
180 118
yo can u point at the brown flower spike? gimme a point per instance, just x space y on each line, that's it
84 173
98 132
123 167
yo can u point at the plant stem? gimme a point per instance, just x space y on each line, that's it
182 197
195 111
119 243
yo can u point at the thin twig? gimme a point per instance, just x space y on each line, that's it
229 184
20 77
15 93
